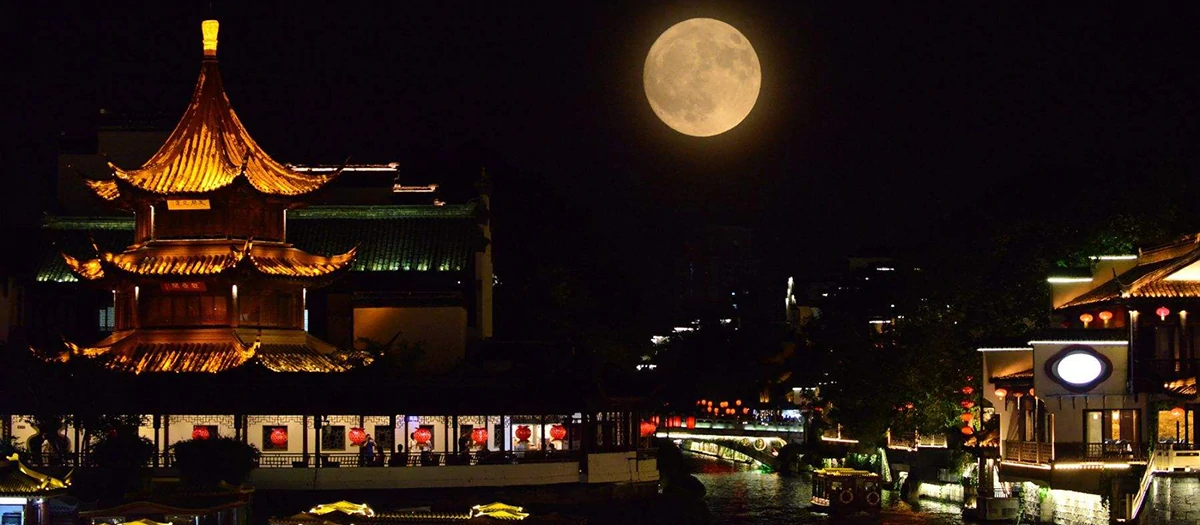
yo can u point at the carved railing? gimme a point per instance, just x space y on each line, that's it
1028 451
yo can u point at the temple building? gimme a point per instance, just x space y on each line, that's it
222 303
1108 397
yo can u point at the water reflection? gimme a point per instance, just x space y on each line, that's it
741 494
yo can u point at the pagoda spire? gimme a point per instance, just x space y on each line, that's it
210 149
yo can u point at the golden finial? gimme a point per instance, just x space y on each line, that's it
210 27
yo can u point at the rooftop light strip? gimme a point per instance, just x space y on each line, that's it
1091 343
1008 349
1113 257
1062 280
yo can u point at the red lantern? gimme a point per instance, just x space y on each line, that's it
1177 412
648 428
738 402
691 422
968 390
967 417
908 406
1105 316
358 436
1000 392
200 432
422 436
1163 312
1086 318
967 431
967 403
479 436
279 436
558 432
523 433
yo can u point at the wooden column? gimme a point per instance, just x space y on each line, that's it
304 438
446 434
454 422
158 450
392 426
166 422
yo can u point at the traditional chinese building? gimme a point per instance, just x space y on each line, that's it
1111 392
227 307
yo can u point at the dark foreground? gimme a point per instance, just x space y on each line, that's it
735 495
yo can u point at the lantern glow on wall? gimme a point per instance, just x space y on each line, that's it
479 436
279 436
422 436
647 428
558 432
200 432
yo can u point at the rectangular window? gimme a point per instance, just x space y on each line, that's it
306 319
1175 426
333 437
1111 433
107 319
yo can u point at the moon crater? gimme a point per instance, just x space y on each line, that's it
702 77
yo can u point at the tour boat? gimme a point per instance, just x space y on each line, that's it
844 491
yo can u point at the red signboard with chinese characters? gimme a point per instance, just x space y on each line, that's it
190 286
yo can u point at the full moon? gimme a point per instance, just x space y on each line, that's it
702 77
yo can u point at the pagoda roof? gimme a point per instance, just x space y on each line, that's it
209 258
1166 272
16 479
210 350
208 150
388 238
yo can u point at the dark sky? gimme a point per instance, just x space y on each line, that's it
876 125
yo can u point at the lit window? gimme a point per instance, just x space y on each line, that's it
306 319
107 319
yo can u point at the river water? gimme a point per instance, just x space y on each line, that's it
738 494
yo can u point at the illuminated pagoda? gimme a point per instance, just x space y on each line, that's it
245 298
210 282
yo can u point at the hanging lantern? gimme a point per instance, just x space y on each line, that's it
357 436
558 432
648 428
523 433
908 406
1106 316
709 403
968 390
967 403
1086 318
724 404
1031 392
967 417
738 402
1177 412
967 431
279 436
422 436
479 436
200 433
1163 312
745 410
1000 392
691 422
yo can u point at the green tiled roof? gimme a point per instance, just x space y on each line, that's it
389 238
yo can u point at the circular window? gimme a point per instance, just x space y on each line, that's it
1079 368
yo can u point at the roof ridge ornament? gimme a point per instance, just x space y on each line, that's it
209 28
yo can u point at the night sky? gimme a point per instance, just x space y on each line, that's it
877 125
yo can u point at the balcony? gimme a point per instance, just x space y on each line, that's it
1028 451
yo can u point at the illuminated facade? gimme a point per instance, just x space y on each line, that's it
229 307
1112 391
